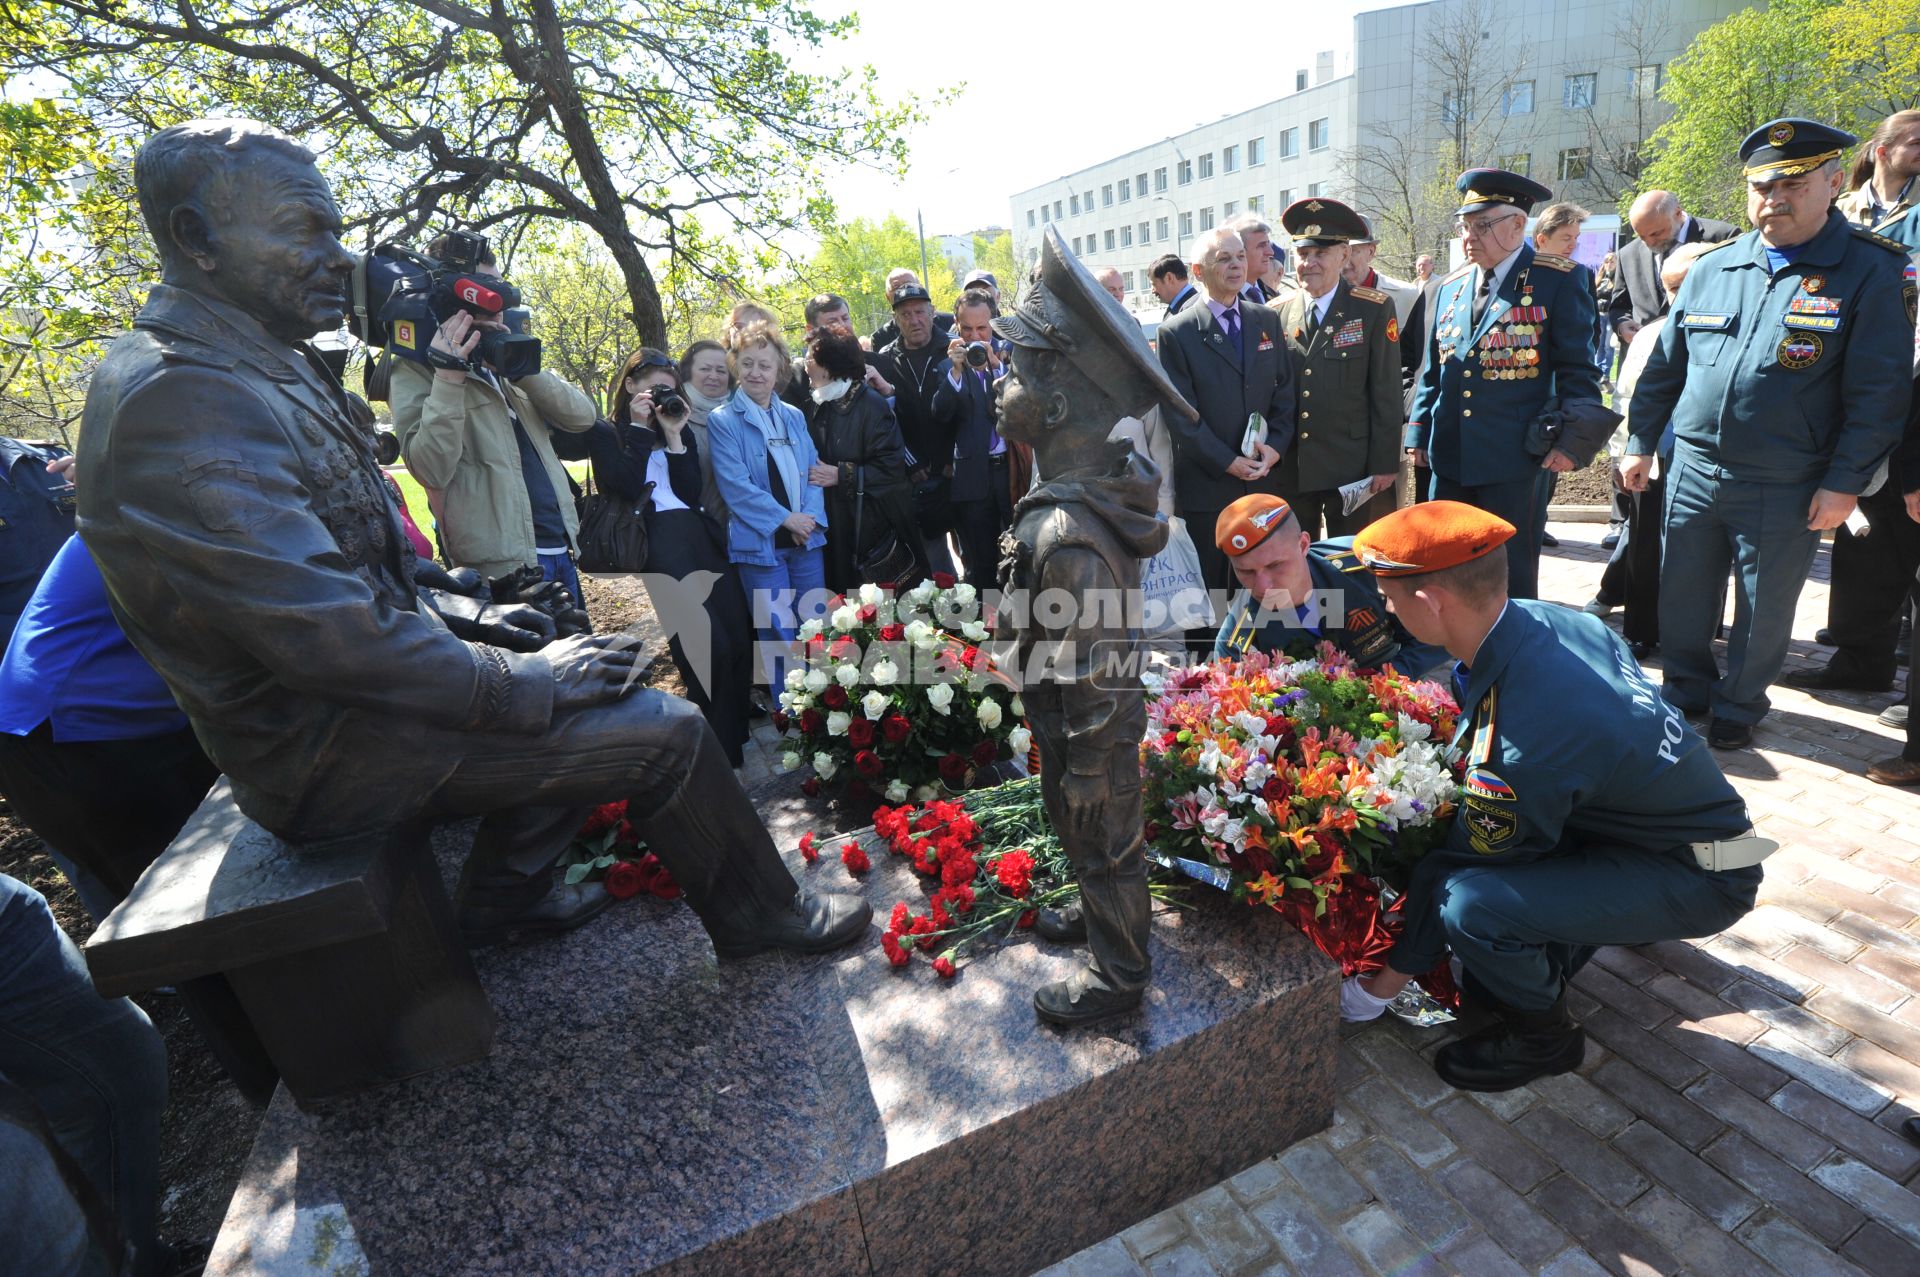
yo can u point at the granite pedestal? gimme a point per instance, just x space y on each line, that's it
649 1110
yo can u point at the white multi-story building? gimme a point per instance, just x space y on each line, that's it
1562 90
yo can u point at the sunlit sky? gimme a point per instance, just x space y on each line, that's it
1055 85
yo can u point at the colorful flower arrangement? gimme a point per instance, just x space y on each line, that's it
1305 786
894 700
609 848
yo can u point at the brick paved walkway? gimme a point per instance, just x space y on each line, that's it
1738 1112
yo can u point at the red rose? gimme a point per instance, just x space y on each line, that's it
810 786
844 649
943 967
625 835
953 769
860 733
868 764
893 633
896 953
624 879
835 697
811 722
866 614
659 878
603 818
945 580
985 752
808 851
970 657
855 858
895 728
780 720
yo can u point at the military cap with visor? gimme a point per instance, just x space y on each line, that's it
1317 221
1482 189
1790 147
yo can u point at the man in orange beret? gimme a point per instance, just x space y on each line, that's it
1592 813
1295 592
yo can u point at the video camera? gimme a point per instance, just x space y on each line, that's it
400 299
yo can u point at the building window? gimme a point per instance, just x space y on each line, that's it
1578 94
1073 202
1299 81
1126 189
1317 135
1140 185
1450 108
1255 203
1146 233
1228 209
1645 81
1056 210
1521 163
1029 217
1574 162
1106 196
1160 228
1076 246
1229 159
1159 179
1289 143
1256 152
1315 189
1206 218
1518 99
1126 237
1109 241
1126 281
1087 200
1186 224
1206 166
1286 198
1186 172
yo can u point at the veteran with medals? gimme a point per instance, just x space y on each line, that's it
1512 330
1784 372
1592 816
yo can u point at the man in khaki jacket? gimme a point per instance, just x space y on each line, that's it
480 445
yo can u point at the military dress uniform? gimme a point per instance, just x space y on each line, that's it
1779 378
1350 408
1592 815
1361 626
1486 380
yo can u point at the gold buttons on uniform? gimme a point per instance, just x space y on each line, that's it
1307 371
1467 412
1466 394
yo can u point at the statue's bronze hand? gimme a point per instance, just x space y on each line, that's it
590 668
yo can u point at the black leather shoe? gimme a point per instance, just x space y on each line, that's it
1894 715
562 909
1062 926
1724 733
1521 1046
1549 541
1833 677
1082 998
811 924
1823 636
1610 540
1641 651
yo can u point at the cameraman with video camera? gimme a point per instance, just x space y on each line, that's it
480 440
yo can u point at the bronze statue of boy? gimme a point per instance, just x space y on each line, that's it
1079 365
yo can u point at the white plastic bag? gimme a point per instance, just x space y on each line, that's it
1173 594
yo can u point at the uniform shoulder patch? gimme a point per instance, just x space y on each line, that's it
1554 261
1891 245
1716 246
1462 273
1369 294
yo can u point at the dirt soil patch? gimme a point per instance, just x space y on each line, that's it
1591 486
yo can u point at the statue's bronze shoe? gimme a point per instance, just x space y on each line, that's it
1082 999
812 924
562 909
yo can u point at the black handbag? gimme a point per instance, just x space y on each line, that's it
613 530
888 563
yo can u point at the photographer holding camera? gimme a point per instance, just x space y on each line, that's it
481 440
982 488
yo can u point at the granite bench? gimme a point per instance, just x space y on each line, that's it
344 954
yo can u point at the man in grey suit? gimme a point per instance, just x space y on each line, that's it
1228 357
1660 225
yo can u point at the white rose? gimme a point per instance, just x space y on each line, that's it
1021 740
797 701
796 679
923 792
988 713
871 595
874 704
838 721
789 762
975 631
940 696
920 593
922 635
810 629
965 594
885 673
896 791
846 617
824 765
848 674
817 680
1018 707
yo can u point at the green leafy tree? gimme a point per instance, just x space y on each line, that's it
647 123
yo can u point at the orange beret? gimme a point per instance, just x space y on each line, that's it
1248 522
1429 537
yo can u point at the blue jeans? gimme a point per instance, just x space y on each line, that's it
93 1065
774 595
559 567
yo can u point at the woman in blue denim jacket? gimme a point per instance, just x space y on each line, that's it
771 477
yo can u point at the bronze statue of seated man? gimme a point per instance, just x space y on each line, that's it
254 557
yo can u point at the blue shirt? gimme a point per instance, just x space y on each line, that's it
36 515
69 662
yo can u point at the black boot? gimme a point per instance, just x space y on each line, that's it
1065 925
1522 1046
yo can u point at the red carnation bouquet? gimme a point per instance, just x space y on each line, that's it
895 700
610 849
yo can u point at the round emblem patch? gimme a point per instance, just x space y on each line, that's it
1800 350
1239 542
1780 134
1814 283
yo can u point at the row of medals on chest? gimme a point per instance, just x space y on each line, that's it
1511 349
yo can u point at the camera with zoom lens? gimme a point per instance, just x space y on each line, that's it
977 354
668 402
400 299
